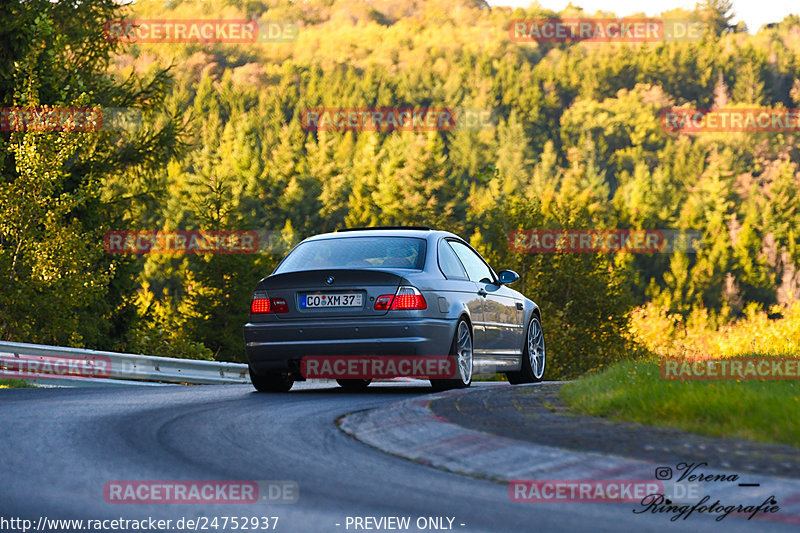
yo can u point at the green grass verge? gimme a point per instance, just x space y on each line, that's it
634 390
15 384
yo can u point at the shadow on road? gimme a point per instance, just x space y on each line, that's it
376 389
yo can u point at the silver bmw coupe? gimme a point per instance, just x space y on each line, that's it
391 292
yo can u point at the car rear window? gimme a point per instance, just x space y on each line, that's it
356 252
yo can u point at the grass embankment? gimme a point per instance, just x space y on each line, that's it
15 384
634 390
764 411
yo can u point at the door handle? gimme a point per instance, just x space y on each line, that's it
482 292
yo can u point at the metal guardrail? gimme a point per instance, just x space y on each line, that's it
37 362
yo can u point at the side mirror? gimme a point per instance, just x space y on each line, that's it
507 277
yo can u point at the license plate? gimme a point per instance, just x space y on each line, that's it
330 300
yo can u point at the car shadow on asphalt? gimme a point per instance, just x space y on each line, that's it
381 388
372 390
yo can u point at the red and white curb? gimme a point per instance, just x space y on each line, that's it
409 429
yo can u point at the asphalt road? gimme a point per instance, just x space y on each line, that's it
59 448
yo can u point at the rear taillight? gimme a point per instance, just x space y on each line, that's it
406 299
262 304
383 302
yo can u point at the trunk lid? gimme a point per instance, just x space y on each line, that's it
308 293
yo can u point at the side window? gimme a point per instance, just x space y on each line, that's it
449 263
477 270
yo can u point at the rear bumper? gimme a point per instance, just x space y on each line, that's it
281 345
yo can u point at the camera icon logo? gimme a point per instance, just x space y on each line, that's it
663 473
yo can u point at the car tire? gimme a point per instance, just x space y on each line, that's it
461 353
271 381
533 355
354 385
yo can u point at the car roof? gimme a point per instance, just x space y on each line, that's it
412 231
